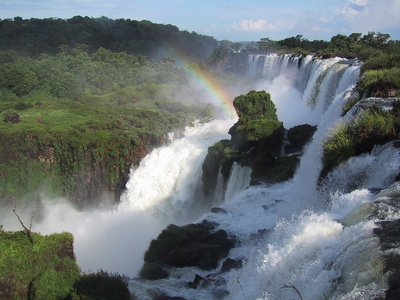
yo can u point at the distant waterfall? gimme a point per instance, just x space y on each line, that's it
305 84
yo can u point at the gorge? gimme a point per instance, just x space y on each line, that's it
301 236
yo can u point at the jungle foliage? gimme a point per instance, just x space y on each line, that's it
34 37
63 115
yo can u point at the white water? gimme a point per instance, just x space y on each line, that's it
162 190
291 234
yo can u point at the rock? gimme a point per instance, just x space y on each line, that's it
282 169
152 271
218 210
190 245
230 264
298 136
196 282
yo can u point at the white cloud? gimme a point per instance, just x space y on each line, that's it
250 25
359 2
355 8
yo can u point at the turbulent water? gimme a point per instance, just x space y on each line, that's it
295 240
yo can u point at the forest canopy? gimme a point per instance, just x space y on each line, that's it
36 36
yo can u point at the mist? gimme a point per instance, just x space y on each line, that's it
288 101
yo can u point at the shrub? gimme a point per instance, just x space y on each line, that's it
372 127
103 286
380 83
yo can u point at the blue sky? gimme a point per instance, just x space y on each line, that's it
235 20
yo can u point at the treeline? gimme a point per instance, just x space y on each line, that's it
74 73
37 36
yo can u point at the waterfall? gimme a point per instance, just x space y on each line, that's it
239 180
294 237
168 182
302 88
163 189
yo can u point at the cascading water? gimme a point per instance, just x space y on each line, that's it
294 240
162 190
297 240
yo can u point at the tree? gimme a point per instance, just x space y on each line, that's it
266 45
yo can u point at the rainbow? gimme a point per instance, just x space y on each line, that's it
219 95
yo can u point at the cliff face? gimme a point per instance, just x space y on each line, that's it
87 168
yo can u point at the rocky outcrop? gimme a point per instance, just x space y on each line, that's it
257 141
199 245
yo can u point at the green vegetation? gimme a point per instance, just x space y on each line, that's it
255 105
102 286
37 36
258 121
379 54
372 127
72 124
46 269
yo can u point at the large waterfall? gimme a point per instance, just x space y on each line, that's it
295 240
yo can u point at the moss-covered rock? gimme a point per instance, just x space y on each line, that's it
258 121
255 105
265 133
190 245
211 166
44 269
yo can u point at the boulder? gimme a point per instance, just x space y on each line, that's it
152 271
191 245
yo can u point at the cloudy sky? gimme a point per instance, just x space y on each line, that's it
235 20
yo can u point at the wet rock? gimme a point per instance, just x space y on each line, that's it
191 245
197 281
230 264
218 210
152 271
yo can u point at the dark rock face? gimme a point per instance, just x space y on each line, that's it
298 136
190 245
85 173
282 169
